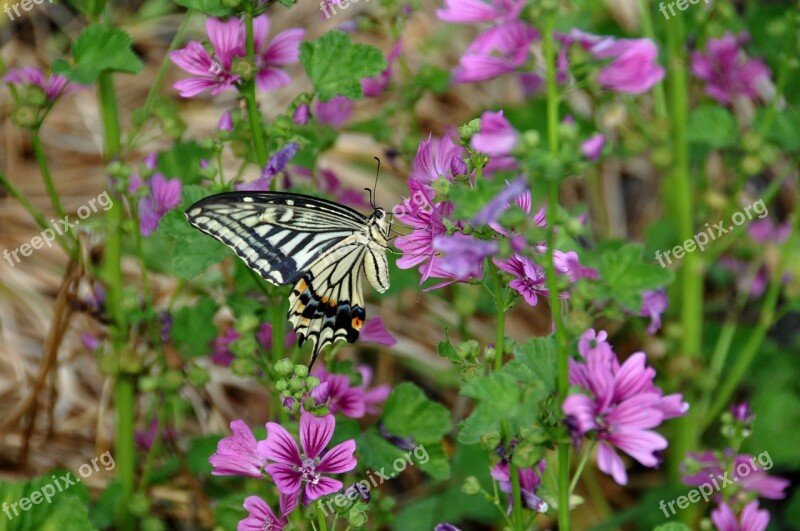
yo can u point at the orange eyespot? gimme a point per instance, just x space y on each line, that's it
357 323
301 285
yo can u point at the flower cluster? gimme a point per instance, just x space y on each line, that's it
619 405
296 470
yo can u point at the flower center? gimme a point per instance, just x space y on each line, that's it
215 68
308 471
268 525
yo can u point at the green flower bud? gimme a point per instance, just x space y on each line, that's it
470 373
24 117
471 485
309 404
244 346
469 129
34 96
246 324
489 353
490 441
171 381
768 154
281 385
751 141
301 371
243 68
284 367
139 505
198 376
232 4
312 382
357 518
152 524
296 385
208 143
243 367
527 454
530 140
148 384
442 187
751 165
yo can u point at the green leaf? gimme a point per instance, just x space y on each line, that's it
409 413
91 8
183 162
447 350
469 201
712 125
193 328
499 389
484 419
785 129
672 526
627 276
336 65
193 251
378 454
538 355
55 511
97 49
200 449
212 8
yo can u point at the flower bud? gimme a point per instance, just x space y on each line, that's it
491 440
357 518
246 324
301 371
284 367
243 68
296 385
471 485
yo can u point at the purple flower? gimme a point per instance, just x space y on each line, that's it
301 114
530 281
375 396
496 51
751 519
342 398
654 303
275 165
295 472
767 231
260 517
334 112
145 439
238 455
727 71
210 72
53 87
592 148
569 263
621 405
463 256
742 413
374 86
748 472
529 481
496 136
330 184
438 157
222 354
374 331
165 194
90 341
264 337
425 218
500 203
283 50
471 11
225 122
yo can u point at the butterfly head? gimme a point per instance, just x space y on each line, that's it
379 224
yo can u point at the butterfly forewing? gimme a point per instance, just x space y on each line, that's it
319 246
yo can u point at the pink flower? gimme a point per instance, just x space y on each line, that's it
462 256
426 219
751 519
340 395
225 122
332 185
297 473
264 337
529 481
654 303
490 213
767 231
260 517
53 87
374 86
438 157
301 114
165 194
222 354
530 281
746 471
569 263
496 51
210 72
334 112
727 71
592 148
283 50
633 70
374 331
621 405
375 396
238 455
496 136
472 11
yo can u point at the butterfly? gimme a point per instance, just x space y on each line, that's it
319 246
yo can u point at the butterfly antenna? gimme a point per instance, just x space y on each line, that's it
375 186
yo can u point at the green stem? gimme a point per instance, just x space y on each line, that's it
562 355
323 525
692 274
649 32
581 466
41 159
35 213
501 317
125 385
250 94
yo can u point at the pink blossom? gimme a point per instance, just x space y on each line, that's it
269 56
374 86
767 231
472 11
496 51
529 481
438 157
53 86
295 472
225 122
260 517
745 470
654 303
462 256
334 112
727 71
751 519
374 331
165 194
238 455
426 219
342 398
496 136
374 396
530 278
592 148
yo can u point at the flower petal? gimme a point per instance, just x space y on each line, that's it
315 433
339 458
287 479
279 446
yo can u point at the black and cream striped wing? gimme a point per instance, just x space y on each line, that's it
327 303
279 235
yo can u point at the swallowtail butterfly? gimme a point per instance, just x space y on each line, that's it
319 246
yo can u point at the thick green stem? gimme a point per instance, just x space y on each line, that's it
250 94
681 198
125 385
649 32
581 466
562 355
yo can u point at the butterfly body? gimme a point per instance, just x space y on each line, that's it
319 246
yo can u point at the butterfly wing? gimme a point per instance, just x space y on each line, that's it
327 303
279 235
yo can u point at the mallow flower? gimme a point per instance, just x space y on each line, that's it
495 52
474 11
165 194
727 71
260 517
238 455
750 519
52 86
